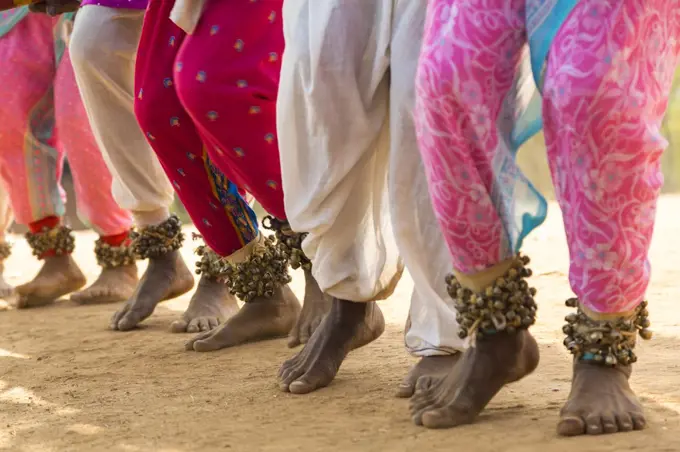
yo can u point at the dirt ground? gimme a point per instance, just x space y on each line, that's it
67 383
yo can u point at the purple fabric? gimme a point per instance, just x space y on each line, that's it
129 4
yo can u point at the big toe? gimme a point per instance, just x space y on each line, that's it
129 321
441 418
210 344
406 388
179 326
571 425
307 384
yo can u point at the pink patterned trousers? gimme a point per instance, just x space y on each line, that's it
608 78
42 120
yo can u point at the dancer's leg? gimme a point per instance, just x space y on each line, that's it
92 183
227 223
29 163
471 56
231 97
333 133
431 332
602 128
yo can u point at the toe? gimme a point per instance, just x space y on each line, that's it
287 364
209 344
440 418
306 384
213 322
405 390
305 334
129 321
293 340
294 336
639 421
609 424
625 422
117 316
571 425
204 324
189 345
594 424
424 383
179 326
194 326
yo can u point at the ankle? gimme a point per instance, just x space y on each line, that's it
47 238
605 340
115 251
503 304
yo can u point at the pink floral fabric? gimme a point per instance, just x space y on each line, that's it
608 77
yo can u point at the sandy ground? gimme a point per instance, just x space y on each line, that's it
67 383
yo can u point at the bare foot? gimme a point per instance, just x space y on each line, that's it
59 276
348 325
428 366
211 305
259 319
166 277
316 305
6 291
481 372
113 285
600 401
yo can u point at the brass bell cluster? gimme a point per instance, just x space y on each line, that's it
59 240
608 342
506 305
114 256
210 264
155 241
260 274
290 242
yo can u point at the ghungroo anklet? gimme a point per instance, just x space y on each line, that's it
506 305
58 240
5 250
114 256
289 241
155 241
264 270
210 265
608 342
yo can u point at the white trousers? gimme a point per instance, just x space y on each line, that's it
103 50
352 175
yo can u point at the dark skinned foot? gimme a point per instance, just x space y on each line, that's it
427 366
59 276
348 325
113 285
166 277
6 291
259 319
600 401
459 397
211 305
316 305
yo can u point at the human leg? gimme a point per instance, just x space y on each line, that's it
226 222
333 133
431 333
95 203
30 165
464 87
231 98
602 129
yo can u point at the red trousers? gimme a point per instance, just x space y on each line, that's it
207 104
